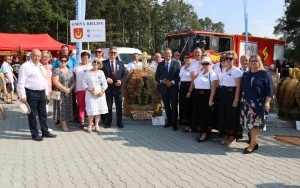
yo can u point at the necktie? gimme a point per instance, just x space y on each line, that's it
167 66
112 67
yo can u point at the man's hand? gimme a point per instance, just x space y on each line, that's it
164 81
109 80
118 83
169 83
23 100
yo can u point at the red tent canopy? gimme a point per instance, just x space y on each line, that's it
16 41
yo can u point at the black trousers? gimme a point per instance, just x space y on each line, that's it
170 99
36 101
118 102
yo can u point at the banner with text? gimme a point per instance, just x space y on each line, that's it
87 30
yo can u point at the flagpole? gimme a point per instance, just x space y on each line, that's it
246 26
80 15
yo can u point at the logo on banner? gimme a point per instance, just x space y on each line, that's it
78 33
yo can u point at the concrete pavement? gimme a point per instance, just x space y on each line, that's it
142 155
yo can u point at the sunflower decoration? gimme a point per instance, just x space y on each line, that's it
140 90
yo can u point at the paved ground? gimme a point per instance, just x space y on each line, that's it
142 155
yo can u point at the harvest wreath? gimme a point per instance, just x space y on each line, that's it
141 96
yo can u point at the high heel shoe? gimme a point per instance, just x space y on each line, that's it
204 139
246 151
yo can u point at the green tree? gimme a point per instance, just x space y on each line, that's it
208 25
249 34
289 26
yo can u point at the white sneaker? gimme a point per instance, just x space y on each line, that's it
40 132
50 129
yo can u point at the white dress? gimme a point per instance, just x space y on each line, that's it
95 105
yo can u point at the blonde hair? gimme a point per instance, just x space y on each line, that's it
45 52
100 62
260 67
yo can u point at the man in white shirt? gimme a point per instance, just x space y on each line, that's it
136 64
9 78
244 63
32 86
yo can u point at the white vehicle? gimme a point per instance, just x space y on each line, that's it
125 54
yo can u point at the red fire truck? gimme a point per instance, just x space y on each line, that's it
215 43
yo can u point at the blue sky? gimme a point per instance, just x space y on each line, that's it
262 14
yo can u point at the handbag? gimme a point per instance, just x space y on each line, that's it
55 95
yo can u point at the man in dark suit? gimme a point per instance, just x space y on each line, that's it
115 74
167 76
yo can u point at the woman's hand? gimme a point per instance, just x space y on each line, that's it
67 90
210 103
235 103
101 93
267 106
188 95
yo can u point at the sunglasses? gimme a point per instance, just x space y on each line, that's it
98 51
229 58
205 64
62 60
96 62
254 61
113 52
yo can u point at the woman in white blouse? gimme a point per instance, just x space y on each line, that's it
95 84
229 112
205 87
185 95
80 70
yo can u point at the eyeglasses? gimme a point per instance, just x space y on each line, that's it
62 60
205 64
98 52
113 52
254 61
229 58
96 62
178 55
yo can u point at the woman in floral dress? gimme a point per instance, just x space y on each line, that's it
256 93
64 81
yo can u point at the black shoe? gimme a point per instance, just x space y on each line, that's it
120 125
205 139
246 151
38 138
50 135
175 128
107 126
57 122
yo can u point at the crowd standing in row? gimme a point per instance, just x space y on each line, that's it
211 96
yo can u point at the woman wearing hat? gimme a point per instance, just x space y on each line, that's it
229 112
256 93
185 95
205 87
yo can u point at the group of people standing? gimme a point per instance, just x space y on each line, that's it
211 96
220 96
77 89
